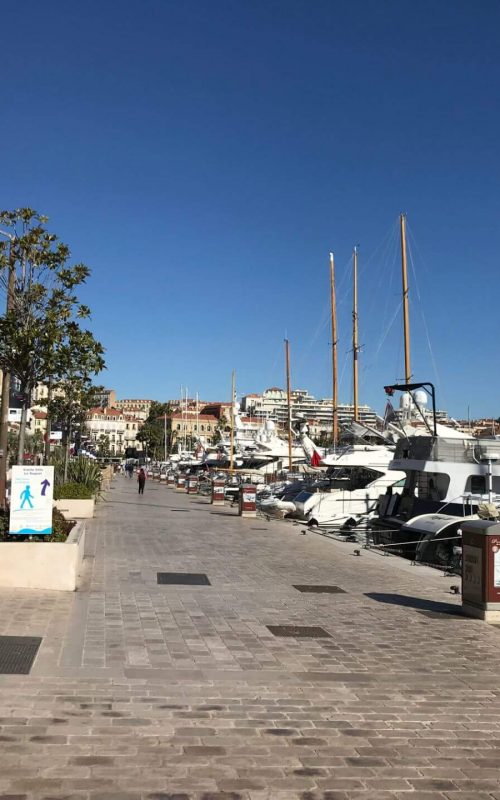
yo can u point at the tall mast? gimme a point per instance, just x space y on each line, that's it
335 419
197 420
355 345
181 407
186 424
231 451
289 403
406 315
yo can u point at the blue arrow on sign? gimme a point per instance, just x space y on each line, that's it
45 484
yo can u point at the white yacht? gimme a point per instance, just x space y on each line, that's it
358 477
447 479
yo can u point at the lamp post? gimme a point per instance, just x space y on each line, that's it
4 418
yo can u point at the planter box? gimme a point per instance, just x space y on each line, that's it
43 565
76 509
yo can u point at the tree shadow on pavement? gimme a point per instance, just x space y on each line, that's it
418 603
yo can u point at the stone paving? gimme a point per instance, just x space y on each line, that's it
144 691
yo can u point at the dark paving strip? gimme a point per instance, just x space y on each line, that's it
316 589
299 631
259 529
183 578
17 654
184 510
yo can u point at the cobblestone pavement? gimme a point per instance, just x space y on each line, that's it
166 692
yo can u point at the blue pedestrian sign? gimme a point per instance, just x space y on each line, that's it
31 501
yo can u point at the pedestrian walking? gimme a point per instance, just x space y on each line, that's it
141 480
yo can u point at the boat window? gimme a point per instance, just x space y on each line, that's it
476 484
432 485
302 497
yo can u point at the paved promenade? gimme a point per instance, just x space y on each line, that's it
143 691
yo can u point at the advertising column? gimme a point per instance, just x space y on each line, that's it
31 503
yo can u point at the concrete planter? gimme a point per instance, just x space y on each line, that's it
76 509
43 565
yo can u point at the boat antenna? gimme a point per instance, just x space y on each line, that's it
335 413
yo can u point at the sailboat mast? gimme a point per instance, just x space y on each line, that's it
406 314
289 403
335 419
355 344
231 451
197 420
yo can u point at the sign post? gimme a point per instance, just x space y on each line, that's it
481 569
31 501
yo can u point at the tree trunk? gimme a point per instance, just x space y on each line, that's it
4 419
22 431
4 436
46 456
66 454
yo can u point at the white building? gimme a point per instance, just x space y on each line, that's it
108 422
272 404
137 408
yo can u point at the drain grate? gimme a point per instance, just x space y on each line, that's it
299 631
183 578
317 589
17 654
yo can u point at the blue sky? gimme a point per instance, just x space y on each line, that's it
203 158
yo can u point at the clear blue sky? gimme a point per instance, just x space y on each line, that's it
204 156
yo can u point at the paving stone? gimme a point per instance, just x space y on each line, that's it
149 692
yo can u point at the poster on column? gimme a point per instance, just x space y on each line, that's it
31 494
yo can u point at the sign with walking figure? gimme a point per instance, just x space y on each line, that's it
31 503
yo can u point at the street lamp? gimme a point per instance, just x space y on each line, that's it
4 418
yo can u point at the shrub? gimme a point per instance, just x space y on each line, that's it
4 523
60 527
72 491
82 470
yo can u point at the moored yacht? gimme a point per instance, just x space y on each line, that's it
448 479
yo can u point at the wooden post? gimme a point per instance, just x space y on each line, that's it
406 315
231 452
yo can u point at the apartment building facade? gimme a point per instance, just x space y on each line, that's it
272 404
189 424
136 407
120 428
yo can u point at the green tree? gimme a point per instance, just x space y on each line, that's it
68 409
103 446
44 311
152 433
78 357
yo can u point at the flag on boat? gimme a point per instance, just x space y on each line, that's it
389 414
315 459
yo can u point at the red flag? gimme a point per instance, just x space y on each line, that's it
315 459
